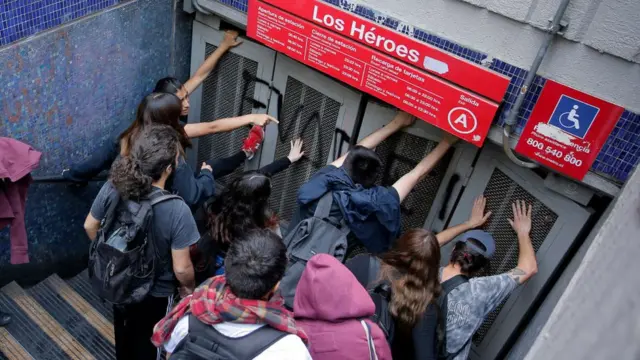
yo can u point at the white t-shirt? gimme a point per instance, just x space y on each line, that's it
289 347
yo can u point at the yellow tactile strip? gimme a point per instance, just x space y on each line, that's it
11 348
99 322
48 324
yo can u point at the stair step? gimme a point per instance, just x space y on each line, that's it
10 349
45 324
76 316
80 284
28 333
99 322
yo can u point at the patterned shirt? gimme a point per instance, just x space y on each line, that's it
469 304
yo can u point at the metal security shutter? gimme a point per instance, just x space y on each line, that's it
313 106
399 154
556 223
226 92
501 192
221 98
309 114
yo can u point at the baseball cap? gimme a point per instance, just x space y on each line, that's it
484 238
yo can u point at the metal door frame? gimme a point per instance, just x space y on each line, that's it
571 219
265 57
377 115
347 97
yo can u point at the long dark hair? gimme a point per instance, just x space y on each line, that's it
148 159
412 268
155 108
243 206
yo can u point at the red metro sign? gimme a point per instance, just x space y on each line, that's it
451 93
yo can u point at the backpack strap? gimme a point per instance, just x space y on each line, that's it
157 197
323 209
447 287
207 340
374 269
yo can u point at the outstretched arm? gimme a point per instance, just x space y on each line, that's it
477 219
400 121
521 223
282 164
227 124
229 41
406 183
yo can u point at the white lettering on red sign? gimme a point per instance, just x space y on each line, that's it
462 120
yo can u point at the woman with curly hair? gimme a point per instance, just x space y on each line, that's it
410 269
243 206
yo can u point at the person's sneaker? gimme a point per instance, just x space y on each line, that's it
5 319
252 143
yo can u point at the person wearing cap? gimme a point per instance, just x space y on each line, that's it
469 297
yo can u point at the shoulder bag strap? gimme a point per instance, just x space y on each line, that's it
447 287
372 348
323 209
262 339
453 283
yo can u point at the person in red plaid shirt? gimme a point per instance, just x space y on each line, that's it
238 315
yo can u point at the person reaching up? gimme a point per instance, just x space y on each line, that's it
243 206
160 111
467 297
372 213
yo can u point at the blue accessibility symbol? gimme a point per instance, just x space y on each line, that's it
573 116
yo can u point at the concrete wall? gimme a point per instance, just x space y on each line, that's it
597 316
599 54
64 91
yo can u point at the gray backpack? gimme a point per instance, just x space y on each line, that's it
319 234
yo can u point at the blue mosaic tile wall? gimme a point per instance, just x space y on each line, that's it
617 158
23 18
64 93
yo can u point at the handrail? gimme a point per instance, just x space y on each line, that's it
62 179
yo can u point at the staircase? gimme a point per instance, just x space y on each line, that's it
56 319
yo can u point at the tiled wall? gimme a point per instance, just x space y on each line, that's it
617 158
23 18
65 92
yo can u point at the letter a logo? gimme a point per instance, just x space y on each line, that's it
462 119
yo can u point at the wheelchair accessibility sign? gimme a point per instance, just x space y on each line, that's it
566 129
573 116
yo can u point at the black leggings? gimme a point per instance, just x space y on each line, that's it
133 326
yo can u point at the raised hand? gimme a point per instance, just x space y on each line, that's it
205 166
478 217
296 152
521 222
230 39
403 119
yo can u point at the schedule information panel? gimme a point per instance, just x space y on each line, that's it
423 95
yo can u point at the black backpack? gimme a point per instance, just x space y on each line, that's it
203 342
316 235
381 295
447 287
122 257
